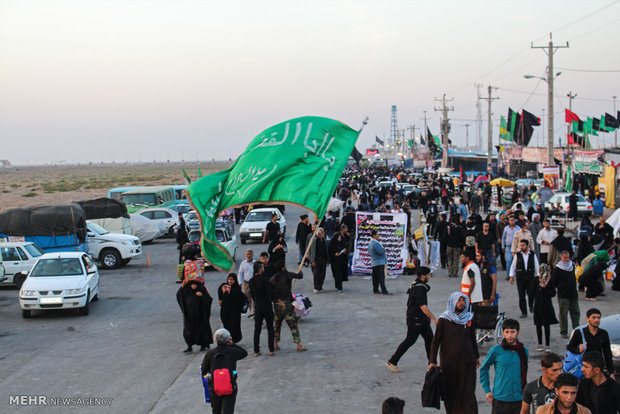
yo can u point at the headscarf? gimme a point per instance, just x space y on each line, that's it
451 315
565 266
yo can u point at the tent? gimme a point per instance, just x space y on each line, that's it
614 221
504 182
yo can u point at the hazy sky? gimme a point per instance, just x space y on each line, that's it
157 80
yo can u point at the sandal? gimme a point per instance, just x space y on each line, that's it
301 348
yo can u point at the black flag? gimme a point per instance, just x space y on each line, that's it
357 156
611 122
379 141
529 118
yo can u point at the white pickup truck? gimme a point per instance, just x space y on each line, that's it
111 249
17 259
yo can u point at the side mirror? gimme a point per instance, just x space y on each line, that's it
91 234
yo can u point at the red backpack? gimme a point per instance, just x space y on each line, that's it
223 375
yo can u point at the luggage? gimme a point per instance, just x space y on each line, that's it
573 362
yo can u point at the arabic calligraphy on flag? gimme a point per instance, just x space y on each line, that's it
295 162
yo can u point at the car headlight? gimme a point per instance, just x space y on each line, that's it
126 243
615 350
74 291
29 293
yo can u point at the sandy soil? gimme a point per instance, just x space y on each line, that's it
29 186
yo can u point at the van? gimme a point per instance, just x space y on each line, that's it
148 197
116 193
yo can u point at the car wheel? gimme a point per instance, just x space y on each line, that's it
84 311
110 259
19 279
126 261
96 297
171 231
242 241
26 314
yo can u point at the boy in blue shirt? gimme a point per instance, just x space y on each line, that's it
510 361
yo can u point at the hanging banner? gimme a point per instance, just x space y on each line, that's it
392 228
588 162
551 175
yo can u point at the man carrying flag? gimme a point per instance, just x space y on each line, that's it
297 162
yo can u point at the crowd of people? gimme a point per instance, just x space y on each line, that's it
516 234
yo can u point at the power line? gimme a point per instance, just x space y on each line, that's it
590 70
580 19
594 30
540 78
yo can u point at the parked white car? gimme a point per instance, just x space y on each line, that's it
221 234
63 280
18 258
253 228
111 249
583 205
163 215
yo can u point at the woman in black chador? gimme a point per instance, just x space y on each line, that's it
195 302
232 300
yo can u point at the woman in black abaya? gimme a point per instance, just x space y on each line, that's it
232 301
195 302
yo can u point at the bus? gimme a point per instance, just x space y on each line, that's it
148 197
179 195
116 193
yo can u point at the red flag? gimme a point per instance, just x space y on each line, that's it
570 116
461 168
570 139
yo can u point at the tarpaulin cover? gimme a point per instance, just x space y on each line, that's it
58 220
103 208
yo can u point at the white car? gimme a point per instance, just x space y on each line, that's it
221 234
253 228
63 280
111 249
167 216
18 258
583 205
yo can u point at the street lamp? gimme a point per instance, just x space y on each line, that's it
549 79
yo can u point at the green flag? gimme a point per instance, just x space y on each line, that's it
589 127
189 180
503 130
199 175
569 179
295 162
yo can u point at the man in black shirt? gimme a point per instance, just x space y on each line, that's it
262 295
281 283
596 391
319 259
597 339
485 241
419 318
542 390
273 229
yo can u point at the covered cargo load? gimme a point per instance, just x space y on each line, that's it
101 208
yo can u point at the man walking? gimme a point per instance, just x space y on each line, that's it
523 234
244 275
544 239
564 403
597 392
319 259
510 361
272 230
563 278
485 241
541 391
525 269
378 260
471 283
455 245
597 339
230 353
263 295
455 342
419 318
441 234
507 236
281 283
301 235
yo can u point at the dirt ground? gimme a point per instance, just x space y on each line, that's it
44 185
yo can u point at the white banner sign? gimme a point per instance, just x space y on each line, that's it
392 230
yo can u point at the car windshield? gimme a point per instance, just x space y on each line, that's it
194 236
182 208
219 235
581 198
96 228
57 267
259 216
34 250
139 199
191 216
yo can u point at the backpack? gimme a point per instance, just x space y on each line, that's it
573 362
223 376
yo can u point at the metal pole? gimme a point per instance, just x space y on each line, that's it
616 131
490 136
550 105
467 137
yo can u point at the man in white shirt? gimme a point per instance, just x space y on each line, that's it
525 269
471 282
244 274
544 239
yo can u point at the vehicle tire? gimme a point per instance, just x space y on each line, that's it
96 297
26 314
84 311
19 279
125 261
110 259
242 241
171 231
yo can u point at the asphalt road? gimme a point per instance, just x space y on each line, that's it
130 347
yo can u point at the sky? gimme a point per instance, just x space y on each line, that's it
127 81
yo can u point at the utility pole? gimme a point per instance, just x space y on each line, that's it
543 127
425 128
467 137
490 99
549 50
445 127
479 116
